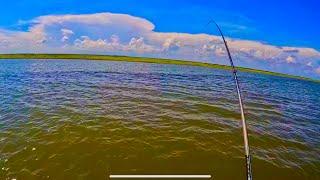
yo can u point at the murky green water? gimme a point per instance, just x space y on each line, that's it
88 119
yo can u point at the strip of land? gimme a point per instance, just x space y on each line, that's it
144 60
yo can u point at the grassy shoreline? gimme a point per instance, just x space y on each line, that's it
144 60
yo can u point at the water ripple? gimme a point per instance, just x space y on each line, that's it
80 119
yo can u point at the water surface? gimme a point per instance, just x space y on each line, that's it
62 119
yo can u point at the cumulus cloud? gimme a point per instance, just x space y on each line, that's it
171 45
290 59
65 34
108 33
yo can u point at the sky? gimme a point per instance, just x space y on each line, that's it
281 36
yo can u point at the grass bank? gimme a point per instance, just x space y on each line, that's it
144 60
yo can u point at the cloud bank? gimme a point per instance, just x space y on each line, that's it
121 34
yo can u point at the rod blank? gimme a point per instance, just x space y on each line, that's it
244 125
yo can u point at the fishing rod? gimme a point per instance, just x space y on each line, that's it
244 125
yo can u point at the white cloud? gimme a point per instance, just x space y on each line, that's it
87 43
171 45
66 33
309 64
107 33
290 59
138 45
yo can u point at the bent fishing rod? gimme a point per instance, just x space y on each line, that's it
244 125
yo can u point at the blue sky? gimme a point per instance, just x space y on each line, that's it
283 24
292 23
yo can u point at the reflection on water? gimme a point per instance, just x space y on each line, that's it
79 119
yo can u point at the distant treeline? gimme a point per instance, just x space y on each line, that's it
143 60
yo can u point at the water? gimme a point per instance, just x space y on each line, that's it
88 119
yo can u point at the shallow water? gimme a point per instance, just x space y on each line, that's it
88 119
